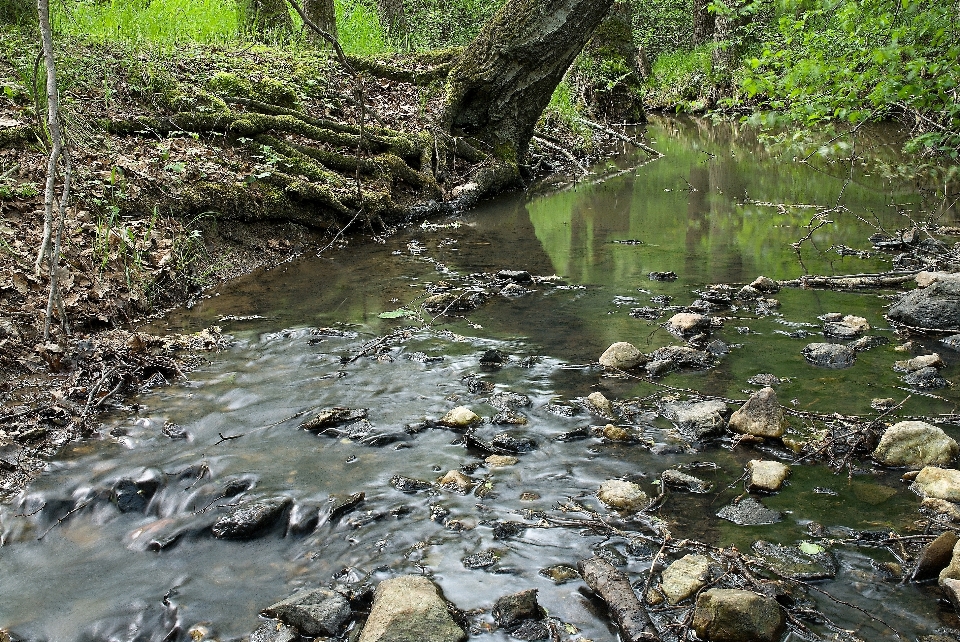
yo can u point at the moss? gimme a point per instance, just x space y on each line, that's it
274 92
195 100
230 85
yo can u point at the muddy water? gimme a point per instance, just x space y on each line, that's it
704 211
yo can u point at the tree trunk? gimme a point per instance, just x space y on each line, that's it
703 23
18 12
506 76
393 17
612 86
726 40
264 17
323 13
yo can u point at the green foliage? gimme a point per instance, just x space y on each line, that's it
681 80
18 12
857 60
359 28
663 26
436 24
157 21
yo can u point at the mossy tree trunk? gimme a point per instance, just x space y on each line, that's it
614 69
265 17
500 86
703 23
323 13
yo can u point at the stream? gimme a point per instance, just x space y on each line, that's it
718 208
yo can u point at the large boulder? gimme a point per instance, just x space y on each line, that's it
936 306
410 608
734 615
915 444
622 356
697 420
938 483
312 612
685 577
622 495
761 416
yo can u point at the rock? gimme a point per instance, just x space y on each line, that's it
531 630
760 416
518 276
935 557
926 378
749 512
493 358
622 356
510 443
251 518
657 367
130 497
684 577
508 529
409 484
936 306
453 303
952 342
951 588
915 444
793 563
481 559
717 348
765 284
508 401
925 278
942 507
410 608
766 476
456 481
764 380
509 418
866 343
688 323
683 481
460 417
622 495
748 293
918 363
600 404
174 431
698 419
510 610
952 570
663 276
332 417
616 433
856 323
840 331
313 612
829 355
939 483
500 461
560 573
734 615
274 632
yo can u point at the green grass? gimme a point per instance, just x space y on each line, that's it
680 79
360 30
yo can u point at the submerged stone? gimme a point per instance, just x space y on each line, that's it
749 512
698 419
678 480
926 378
313 612
794 564
251 518
829 355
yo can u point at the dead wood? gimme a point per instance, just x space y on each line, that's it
614 588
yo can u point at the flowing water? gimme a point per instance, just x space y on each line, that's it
707 211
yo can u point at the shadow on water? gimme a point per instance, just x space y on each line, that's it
717 208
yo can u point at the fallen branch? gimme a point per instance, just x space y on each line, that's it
563 150
614 588
627 139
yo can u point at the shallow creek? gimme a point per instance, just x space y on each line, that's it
704 211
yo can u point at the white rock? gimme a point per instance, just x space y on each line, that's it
622 495
460 417
761 416
766 476
939 483
622 356
915 444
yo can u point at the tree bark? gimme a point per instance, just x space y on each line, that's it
703 23
506 76
263 17
612 90
725 51
324 14
393 17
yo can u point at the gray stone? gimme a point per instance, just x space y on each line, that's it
511 610
918 363
749 512
935 557
699 419
734 615
829 355
938 483
622 495
683 356
410 608
251 518
952 342
926 378
508 401
460 417
866 343
313 612
622 356
760 416
915 444
792 563
766 476
274 632
683 481
840 331
657 367
951 588
684 577
936 306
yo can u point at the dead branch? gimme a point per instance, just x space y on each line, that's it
614 588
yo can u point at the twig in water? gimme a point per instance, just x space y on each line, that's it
228 438
64 518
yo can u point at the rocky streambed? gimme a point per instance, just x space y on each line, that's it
558 418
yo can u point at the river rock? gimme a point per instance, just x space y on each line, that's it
688 323
313 612
130 496
951 588
760 416
622 356
500 461
749 512
793 563
952 570
926 378
457 481
839 330
682 357
829 355
926 278
941 507
460 417
748 293
918 363
409 484
410 608
915 444
765 284
683 481
511 610
734 615
866 343
274 632
251 518
622 495
697 420
684 577
616 433
935 557
766 476
936 306
507 401
938 483
952 342
600 404
332 417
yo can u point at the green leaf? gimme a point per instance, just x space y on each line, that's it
809 548
399 313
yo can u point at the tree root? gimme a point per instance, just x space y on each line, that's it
384 69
